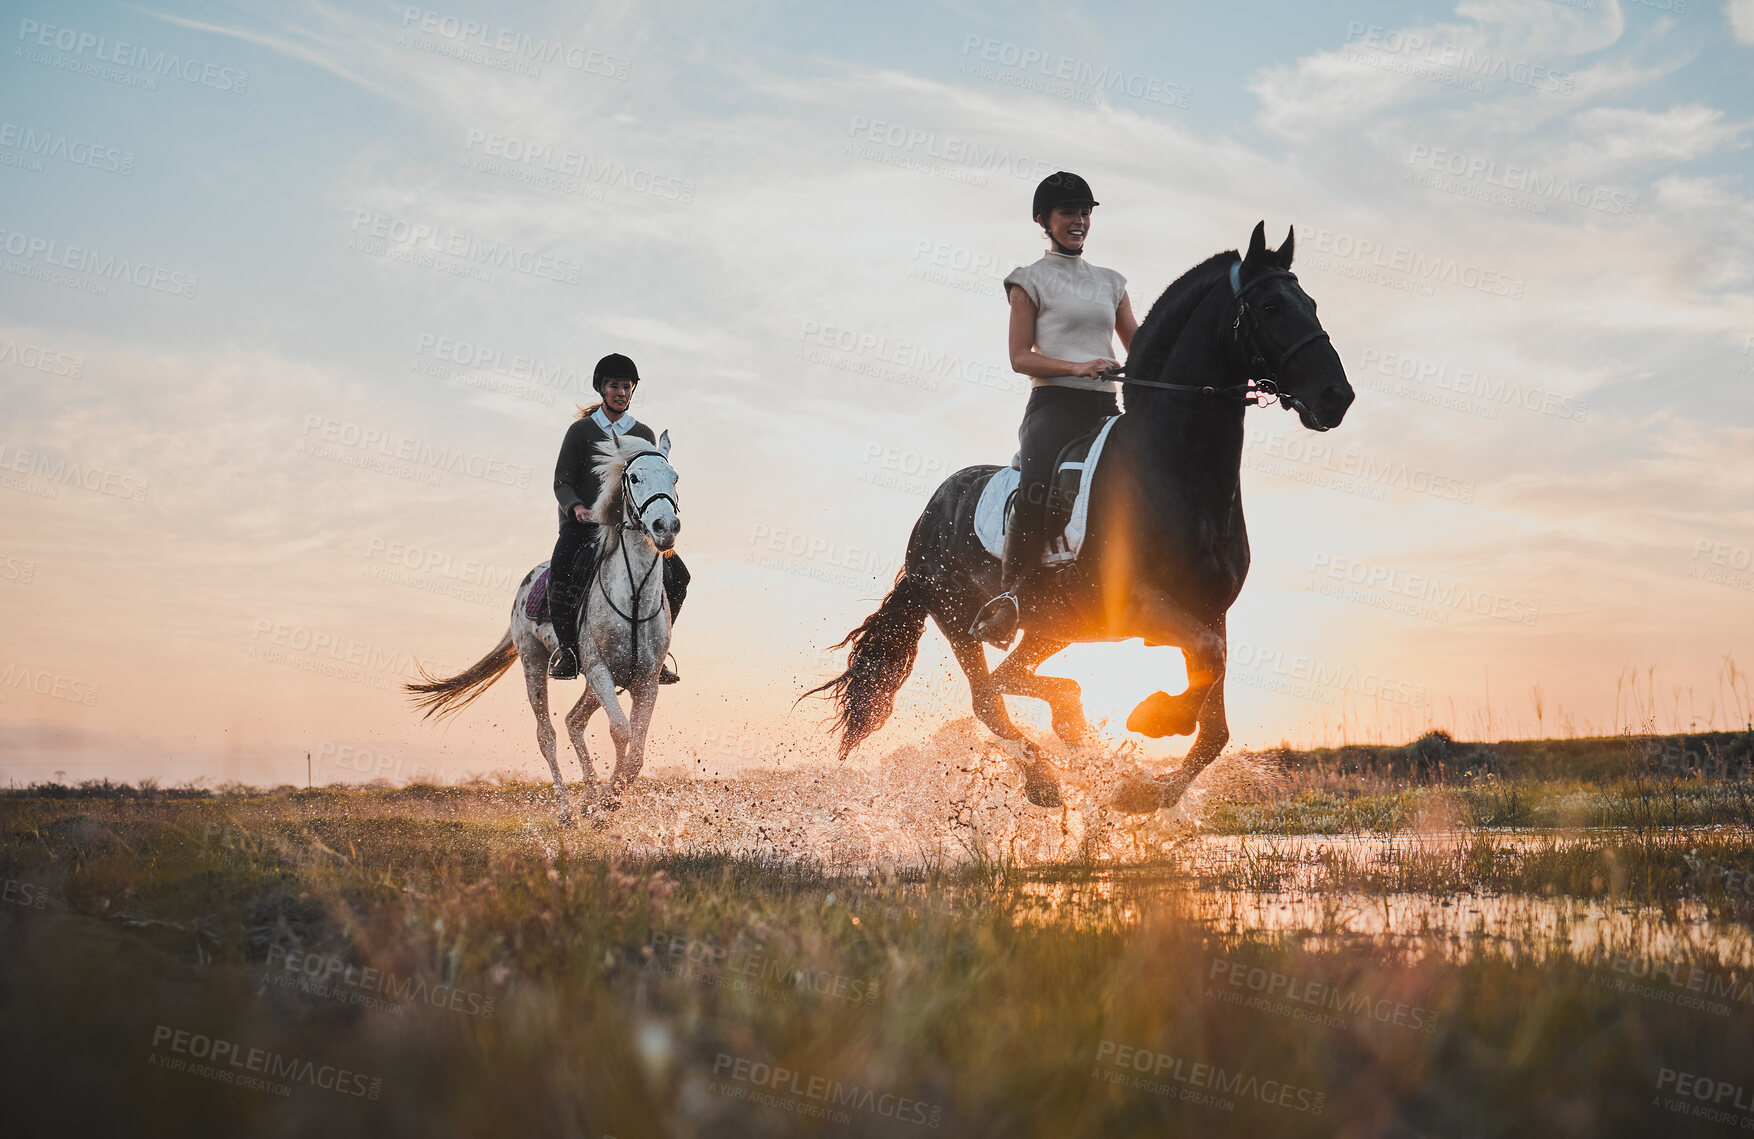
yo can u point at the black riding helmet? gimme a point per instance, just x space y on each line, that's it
1061 188
614 366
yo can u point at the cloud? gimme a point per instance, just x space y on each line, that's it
1741 17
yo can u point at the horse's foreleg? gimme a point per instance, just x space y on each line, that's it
576 720
1041 783
1152 615
645 698
1016 674
1214 734
603 687
536 685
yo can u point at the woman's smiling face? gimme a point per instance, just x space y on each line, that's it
1069 226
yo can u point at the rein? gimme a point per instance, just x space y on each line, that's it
1261 391
637 523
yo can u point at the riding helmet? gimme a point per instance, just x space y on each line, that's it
1061 189
614 366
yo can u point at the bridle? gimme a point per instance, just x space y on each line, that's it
1261 389
634 519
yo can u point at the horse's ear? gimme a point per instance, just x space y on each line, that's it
664 443
1284 251
1257 243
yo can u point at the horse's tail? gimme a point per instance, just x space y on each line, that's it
451 695
882 655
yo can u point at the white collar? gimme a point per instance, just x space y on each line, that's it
623 425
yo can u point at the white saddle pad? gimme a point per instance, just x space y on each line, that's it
989 512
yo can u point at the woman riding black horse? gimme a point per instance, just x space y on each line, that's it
1065 313
572 567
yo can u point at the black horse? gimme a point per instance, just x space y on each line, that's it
1166 549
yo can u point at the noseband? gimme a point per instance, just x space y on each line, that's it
636 518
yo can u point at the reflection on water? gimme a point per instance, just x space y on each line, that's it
958 798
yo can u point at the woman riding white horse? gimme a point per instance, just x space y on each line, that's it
575 487
1065 313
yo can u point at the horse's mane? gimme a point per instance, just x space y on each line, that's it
1170 315
612 456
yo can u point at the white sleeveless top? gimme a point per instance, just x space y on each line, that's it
1075 305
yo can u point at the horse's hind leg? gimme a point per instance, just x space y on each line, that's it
1041 783
536 684
1016 675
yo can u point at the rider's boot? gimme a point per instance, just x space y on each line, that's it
996 623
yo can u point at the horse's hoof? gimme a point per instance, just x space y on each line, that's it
1138 796
1073 731
1171 790
1041 785
1161 714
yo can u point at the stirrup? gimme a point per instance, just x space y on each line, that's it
668 675
564 664
987 623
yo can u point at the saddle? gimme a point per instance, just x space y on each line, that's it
1068 506
536 604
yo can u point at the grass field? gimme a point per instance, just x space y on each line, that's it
1546 938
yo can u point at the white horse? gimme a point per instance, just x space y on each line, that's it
624 623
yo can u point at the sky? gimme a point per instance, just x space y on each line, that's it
298 299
